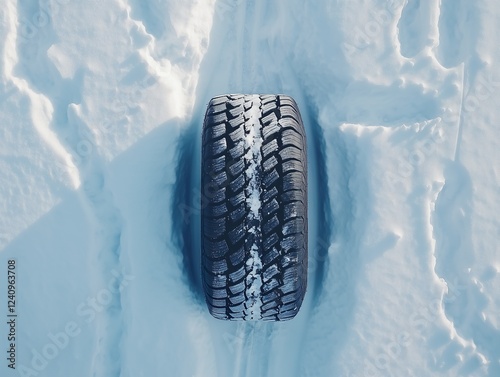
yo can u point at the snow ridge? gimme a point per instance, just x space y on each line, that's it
41 107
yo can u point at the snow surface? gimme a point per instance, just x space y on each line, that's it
101 106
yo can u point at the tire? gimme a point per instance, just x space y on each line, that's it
254 208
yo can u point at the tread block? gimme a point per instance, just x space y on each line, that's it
237 234
268 98
289 286
221 303
271 241
237 199
248 104
234 112
270 163
292 196
218 195
290 152
237 168
292 242
291 297
237 308
271 207
290 274
270 272
270 194
270 130
218 312
238 274
216 108
291 258
270 305
291 306
286 100
215 165
270 178
288 111
237 299
268 107
238 183
216 249
271 296
216 131
216 118
291 137
269 119
271 224
220 178
270 312
270 285
289 123
237 122
294 209
216 266
216 210
217 281
218 100
237 288
237 151
295 225
218 146
214 227
270 256
236 102
218 293
238 213
292 165
237 135
270 147
238 256
292 180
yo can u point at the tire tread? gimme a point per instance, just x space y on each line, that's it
226 241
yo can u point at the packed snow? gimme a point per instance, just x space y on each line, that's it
101 109
253 142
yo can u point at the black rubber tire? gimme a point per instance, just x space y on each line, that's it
254 207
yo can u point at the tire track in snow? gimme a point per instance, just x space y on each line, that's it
453 209
434 30
257 336
338 212
254 349
336 282
271 339
108 248
454 253
65 130
425 107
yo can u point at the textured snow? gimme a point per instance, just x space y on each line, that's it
101 108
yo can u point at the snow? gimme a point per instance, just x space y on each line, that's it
101 107
253 142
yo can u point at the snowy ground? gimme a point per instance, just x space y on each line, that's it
101 106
